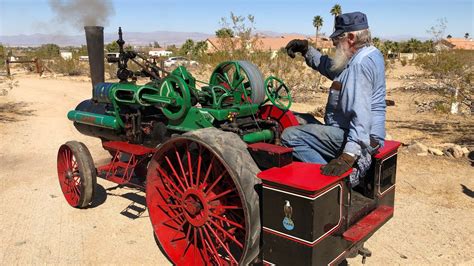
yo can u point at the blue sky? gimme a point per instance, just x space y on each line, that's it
386 18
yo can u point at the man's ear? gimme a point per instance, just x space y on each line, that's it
351 37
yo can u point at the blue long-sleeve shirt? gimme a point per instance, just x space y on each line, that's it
359 107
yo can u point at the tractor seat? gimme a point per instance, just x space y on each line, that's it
388 149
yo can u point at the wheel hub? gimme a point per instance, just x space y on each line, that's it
69 174
196 206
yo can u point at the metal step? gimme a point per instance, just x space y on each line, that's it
368 225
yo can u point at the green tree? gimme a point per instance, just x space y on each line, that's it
79 51
188 47
466 35
317 23
453 73
156 44
377 43
112 47
241 27
47 51
224 33
200 48
449 36
336 10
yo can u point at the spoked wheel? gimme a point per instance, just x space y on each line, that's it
76 172
202 201
240 76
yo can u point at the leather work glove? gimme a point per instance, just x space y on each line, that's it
295 46
339 165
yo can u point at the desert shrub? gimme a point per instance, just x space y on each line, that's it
441 107
7 84
403 61
69 67
111 70
453 71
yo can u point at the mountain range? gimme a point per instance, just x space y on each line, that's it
132 38
164 38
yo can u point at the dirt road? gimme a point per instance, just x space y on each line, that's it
433 221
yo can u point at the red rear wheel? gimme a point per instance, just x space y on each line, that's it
76 172
200 212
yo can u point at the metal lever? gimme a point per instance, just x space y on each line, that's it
364 252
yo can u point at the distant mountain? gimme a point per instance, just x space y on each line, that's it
406 37
164 38
132 38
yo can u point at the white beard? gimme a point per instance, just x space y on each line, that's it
340 59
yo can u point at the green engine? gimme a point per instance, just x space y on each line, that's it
176 102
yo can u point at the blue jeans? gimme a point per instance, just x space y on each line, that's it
314 143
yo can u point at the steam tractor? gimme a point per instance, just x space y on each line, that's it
220 188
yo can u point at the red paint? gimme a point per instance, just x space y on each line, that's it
389 147
71 183
127 147
270 148
302 176
368 224
118 171
285 118
195 209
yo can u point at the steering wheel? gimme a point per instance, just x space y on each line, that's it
279 98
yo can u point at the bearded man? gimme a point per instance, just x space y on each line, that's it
355 112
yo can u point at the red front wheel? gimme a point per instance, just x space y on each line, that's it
202 201
76 172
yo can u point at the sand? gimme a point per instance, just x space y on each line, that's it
433 220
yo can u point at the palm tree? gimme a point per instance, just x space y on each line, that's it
317 23
336 10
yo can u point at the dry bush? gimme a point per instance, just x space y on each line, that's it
403 61
69 67
7 84
454 73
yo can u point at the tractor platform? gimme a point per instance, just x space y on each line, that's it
125 161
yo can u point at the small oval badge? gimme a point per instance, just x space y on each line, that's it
287 222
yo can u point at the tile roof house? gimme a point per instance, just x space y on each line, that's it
455 43
264 43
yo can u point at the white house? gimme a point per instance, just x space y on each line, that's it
159 52
66 55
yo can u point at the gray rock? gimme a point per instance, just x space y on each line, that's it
446 145
465 150
448 153
456 150
418 147
435 151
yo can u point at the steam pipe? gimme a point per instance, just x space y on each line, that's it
95 50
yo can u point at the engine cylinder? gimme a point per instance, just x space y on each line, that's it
91 128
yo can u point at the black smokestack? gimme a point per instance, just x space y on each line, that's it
95 49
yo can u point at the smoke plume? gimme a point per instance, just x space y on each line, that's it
80 13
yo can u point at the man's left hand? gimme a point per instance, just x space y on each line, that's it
339 165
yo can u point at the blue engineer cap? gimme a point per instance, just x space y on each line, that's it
350 22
